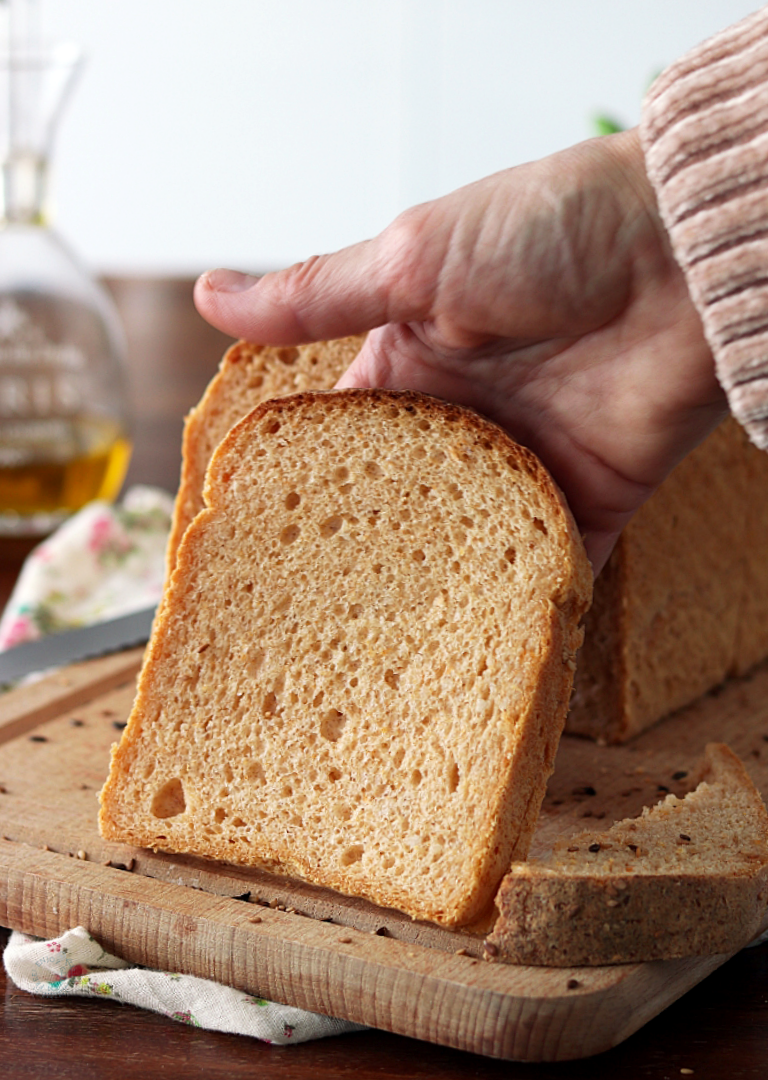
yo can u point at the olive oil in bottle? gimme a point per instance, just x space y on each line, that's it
63 404
50 467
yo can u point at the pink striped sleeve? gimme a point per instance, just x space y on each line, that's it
704 130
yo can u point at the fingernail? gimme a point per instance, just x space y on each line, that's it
228 281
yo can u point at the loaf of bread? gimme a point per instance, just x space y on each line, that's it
683 601
361 669
247 375
689 877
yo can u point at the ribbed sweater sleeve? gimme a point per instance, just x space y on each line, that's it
704 131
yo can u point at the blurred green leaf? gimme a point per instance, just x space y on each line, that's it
606 125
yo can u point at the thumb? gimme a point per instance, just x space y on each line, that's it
328 296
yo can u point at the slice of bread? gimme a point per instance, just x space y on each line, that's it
687 878
362 665
248 374
683 601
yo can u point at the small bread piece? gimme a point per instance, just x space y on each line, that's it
687 878
248 374
362 665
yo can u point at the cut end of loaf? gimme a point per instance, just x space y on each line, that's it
688 877
363 662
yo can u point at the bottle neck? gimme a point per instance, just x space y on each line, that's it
22 188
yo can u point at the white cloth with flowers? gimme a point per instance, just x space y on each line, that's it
103 562
107 561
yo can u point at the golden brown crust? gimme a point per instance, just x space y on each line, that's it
688 878
381 541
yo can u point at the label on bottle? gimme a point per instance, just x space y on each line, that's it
38 377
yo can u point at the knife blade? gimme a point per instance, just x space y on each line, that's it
68 646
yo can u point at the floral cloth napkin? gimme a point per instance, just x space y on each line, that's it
75 964
103 562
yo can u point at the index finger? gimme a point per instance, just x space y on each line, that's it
328 296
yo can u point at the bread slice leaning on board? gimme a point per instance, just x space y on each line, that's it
363 661
248 374
689 877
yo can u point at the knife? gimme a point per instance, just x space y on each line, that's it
67 646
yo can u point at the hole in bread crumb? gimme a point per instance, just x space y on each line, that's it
271 427
331 526
419 555
286 791
255 773
510 555
318 699
424 490
269 704
391 679
169 800
229 776
539 524
416 778
255 663
453 777
148 770
341 474
287 356
387 862
292 500
424 425
372 470
352 855
238 823
332 725
334 775
467 522
289 534
342 812
355 611
219 815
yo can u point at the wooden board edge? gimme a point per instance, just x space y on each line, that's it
513 1013
25 707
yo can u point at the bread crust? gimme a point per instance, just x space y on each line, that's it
502 787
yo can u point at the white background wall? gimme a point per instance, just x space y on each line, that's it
252 133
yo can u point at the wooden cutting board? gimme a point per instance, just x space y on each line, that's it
312 948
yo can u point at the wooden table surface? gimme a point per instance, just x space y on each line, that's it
719 1030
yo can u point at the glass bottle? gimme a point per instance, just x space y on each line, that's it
64 429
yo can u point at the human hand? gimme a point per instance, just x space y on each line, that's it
546 297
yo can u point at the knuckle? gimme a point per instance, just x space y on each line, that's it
405 268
